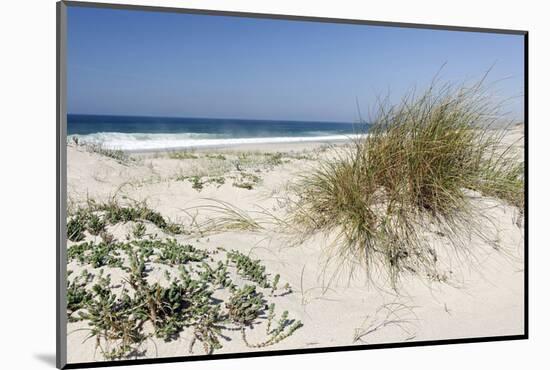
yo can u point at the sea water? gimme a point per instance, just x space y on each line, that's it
132 133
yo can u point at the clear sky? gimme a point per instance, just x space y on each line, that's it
166 64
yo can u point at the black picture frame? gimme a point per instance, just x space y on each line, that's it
61 186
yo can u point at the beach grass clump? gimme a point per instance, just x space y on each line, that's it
504 179
413 172
224 217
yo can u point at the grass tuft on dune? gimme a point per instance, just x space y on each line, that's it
414 172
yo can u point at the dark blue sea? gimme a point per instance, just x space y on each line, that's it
157 133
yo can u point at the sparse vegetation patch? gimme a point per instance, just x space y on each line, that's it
122 315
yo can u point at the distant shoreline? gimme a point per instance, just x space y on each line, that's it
171 145
263 147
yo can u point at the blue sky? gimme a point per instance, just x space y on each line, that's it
165 64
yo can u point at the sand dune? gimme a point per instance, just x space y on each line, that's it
481 297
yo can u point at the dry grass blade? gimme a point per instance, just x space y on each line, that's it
391 314
224 216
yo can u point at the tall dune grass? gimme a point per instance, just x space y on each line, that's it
413 172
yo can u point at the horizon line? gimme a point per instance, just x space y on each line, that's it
212 118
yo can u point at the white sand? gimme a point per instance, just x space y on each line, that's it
483 298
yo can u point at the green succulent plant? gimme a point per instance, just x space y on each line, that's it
245 305
138 231
248 268
116 314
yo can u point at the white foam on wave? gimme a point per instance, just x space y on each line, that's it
141 141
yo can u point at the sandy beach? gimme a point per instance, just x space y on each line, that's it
478 296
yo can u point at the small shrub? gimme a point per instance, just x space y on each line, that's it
245 306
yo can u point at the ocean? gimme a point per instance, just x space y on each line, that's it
131 133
